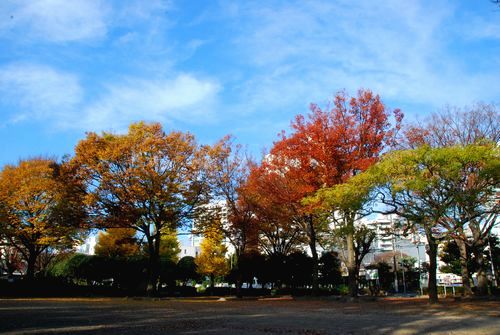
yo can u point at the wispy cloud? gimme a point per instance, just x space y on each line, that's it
56 20
305 51
38 92
41 93
184 99
168 61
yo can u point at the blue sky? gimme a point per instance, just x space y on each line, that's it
218 67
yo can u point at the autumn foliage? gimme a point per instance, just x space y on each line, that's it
147 180
40 208
335 166
326 148
212 260
117 242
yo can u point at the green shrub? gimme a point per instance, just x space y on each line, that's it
343 289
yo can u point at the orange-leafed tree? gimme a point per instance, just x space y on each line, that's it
326 148
146 179
41 208
117 242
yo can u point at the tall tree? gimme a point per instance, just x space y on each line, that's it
327 148
146 179
474 181
40 207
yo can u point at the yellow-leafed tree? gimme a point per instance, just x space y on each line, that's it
212 260
40 209
117 242
170 247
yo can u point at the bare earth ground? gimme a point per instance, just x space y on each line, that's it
208 316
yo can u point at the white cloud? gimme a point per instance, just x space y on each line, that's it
79 20
57 20
41 93
184 98
38 92
305 51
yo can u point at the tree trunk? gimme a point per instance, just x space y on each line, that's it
432 252
153 264
478 245
482 280
464 260
351 266
212 283
239 278
31 264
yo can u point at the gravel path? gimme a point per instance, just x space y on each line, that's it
208 316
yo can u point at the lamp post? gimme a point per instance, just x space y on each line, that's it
402 267
419 269
395 264
493 275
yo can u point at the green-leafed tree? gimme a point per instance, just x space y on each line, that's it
454 126
450 256
348 202
170 247
431 187
187 269
329 269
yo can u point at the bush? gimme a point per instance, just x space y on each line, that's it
186 270
343 289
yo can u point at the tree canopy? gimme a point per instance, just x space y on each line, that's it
145 179
40 208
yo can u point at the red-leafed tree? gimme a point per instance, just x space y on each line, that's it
326 148
273 200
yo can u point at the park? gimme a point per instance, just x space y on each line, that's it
249 167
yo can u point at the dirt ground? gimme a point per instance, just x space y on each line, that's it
209 316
